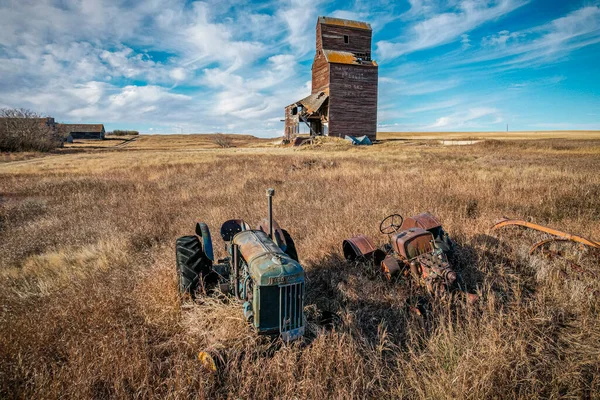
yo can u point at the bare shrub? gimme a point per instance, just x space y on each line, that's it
223 141
25 130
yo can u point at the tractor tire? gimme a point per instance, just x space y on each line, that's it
291 246
192 264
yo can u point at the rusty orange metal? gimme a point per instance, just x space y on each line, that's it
542 243
412 242
424 221
390 267
412 251
358 246
560 234
346 57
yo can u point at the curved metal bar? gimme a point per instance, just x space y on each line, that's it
541 243
563 235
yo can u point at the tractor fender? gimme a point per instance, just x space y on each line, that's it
358 247
203 232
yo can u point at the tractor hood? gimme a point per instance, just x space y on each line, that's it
267 263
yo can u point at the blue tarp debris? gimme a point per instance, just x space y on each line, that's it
360 140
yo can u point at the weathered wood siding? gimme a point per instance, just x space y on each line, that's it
352 105
319 45
353 100
291 123
320 72
332 38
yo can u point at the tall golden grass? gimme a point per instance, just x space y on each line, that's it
89 307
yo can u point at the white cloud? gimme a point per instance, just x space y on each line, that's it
501 38
229 65
542 44
91 92
136 95
420 8
234 57
178 74
478 117
300 18
208 42
412 88
440 105
444 28
466 42
130 102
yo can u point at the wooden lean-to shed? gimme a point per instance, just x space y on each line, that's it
344 84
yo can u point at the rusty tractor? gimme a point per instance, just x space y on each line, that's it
418 246
261 270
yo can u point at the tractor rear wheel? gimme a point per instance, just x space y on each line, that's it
291 246
192 264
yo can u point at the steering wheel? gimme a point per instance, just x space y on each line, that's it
390 224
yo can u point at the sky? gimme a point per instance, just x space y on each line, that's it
231 66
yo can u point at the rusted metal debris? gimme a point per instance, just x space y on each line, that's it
418 246
559 235
358 247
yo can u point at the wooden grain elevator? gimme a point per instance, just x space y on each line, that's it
344 84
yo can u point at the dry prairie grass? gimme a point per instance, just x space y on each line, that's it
513 135
87 282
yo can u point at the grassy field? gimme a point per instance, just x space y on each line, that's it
517 135
89 307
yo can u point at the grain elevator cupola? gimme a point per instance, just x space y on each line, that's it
344 84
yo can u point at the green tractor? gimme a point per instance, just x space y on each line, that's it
261 270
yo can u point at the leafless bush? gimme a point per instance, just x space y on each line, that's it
222 141
25 130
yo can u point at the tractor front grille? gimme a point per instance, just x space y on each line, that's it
291 311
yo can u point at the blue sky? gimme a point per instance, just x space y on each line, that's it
231 66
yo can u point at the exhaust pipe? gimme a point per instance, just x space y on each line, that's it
270 194
236 271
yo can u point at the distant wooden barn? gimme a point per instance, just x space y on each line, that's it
344 84
83 131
